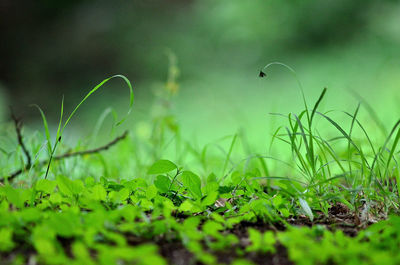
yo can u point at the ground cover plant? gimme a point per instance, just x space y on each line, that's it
166 201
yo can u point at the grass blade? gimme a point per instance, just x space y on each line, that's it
316 105
94 90
229 154
46 128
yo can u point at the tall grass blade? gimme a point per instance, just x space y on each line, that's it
61 118
46 128
384 147
350 132
228 156
340 129
94 90
293 72
317 104
371 112
395 143
364 131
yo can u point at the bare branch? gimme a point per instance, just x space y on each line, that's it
93 151
18 126
73 154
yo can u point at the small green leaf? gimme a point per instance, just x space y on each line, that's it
255 238
89 181
6 235
269 242
99 193
69 187
306 208
161 167
18 197
212 178
185 206
65 224
192 182
55 198
210 199
211 228
151 192
211 187
162 183
45 185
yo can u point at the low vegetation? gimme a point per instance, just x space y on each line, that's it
162 200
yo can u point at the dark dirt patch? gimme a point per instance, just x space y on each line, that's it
176 253
339 217
280 257
172 250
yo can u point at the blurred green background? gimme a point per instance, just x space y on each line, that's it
53 48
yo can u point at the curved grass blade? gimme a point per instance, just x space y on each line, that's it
274 136
61 127
395 143
340 129
61 118
364 131
229 154
317 104
384 147
371 112
293 72
108 111
46 128
94 90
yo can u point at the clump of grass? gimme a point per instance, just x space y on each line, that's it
367 176
61 126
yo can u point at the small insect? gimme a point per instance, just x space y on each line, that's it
262 74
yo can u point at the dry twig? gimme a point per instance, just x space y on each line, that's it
59 157
18 127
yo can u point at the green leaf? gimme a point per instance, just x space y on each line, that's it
269 242
89 181
186 206
211 228
119 196
255 238
306 208
151 192
263 242
212 178
45 185
210 199
236 178
69 187
162 183
99 193
55 198
46 128
161 167
18 197
65 224
211 187
6 235
192 182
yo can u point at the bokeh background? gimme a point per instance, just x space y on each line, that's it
53 48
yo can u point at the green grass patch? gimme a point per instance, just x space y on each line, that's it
161 199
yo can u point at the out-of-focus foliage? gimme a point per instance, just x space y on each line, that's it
57 47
